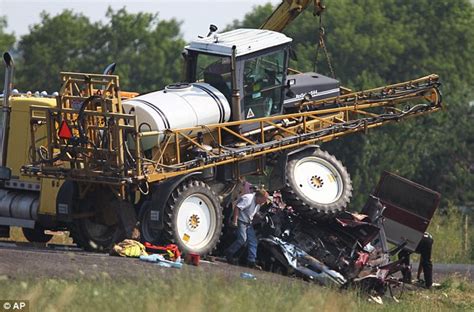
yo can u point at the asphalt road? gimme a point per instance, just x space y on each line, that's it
442 271
26 261
29 261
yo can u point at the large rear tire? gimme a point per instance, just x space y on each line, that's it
193 218
317 184
99 231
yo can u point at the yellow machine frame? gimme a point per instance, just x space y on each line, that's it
316 121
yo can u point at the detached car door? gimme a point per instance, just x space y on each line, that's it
409 209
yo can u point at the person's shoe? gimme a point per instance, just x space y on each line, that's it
254 266
421 283
230 259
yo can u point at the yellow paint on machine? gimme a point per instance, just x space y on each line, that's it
19 148
49 191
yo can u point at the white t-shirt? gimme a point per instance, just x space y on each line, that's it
248 207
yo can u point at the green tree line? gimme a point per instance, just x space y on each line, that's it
370 43
146 49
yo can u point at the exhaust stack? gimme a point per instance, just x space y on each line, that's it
5 172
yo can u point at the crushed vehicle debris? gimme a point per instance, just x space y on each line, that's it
349 249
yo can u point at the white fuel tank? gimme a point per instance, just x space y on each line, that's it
178 106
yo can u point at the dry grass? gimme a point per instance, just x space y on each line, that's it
449 235
201 293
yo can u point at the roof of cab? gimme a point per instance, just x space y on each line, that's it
23 103
246 41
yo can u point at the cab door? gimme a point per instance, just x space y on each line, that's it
409 208
263 82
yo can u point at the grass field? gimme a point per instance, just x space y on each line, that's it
201 293
450 235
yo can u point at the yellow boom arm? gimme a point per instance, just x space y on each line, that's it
287 11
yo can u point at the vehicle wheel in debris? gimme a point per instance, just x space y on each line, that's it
36 235
317 184
98 231
147 232
193 218
395 287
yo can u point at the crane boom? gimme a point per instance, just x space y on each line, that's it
287 11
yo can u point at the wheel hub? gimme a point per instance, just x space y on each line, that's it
193 222
317 181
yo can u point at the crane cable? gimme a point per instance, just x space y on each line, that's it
322 44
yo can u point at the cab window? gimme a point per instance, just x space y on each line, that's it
216 71
263 82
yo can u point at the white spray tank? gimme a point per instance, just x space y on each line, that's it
178 106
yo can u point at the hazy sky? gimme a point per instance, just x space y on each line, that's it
196 15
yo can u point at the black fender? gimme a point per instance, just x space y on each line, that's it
277 177
65 200
159 196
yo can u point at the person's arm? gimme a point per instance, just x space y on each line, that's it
242 203
235 215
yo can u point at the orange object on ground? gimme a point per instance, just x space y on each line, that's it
171 250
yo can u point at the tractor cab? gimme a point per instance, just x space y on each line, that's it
248 66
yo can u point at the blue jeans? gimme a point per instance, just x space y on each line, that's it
245 234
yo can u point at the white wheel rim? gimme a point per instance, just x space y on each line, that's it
196 221
318 180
